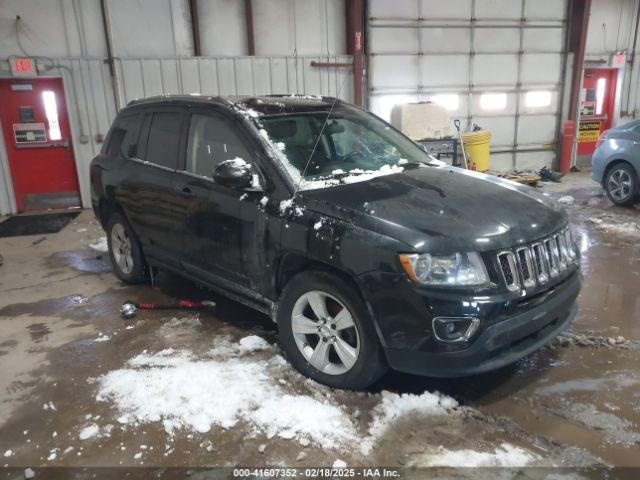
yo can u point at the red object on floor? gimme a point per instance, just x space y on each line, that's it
568 133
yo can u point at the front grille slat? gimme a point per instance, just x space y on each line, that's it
538 263
507 262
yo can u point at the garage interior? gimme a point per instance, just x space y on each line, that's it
545 77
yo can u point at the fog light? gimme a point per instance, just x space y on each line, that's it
455 329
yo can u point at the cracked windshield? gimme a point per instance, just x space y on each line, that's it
351 147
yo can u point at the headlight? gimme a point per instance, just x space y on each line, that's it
465 269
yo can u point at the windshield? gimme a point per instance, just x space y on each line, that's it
353 146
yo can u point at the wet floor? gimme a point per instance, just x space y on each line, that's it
575 403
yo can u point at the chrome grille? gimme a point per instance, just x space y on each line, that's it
537 263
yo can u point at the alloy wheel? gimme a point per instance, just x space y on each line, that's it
619 185
325 333
121 247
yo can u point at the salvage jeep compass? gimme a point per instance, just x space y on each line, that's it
367 252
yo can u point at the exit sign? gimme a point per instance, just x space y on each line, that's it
23 67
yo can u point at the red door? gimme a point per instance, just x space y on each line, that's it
35 125
596 106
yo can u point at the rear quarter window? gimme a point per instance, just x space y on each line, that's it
123 136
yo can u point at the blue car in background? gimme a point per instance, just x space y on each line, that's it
616 162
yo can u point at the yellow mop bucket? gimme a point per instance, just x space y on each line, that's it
476 145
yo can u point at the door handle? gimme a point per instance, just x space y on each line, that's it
187 192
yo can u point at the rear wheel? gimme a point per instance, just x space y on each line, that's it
621 184
327 333
124 250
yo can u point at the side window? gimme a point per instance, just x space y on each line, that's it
164 139
212 140
123 134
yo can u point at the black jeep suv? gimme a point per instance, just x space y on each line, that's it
367 252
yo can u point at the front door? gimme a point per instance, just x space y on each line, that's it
597 103
35 125
214 220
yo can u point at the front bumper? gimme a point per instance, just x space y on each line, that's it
520 330
598 166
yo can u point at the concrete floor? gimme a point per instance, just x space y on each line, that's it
575 404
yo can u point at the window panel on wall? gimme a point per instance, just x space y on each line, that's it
539 101
501 128
397 8
494 69
382 105
503 9
542 40
445 70
458 9
545 9
476 108
445 40
540 68
395 71
536 129
394 40
497 40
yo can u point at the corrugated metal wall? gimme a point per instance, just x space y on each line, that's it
92 107
143 77
422 48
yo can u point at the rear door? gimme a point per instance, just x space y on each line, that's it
222 224
148 191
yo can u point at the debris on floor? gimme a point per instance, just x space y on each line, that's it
100 245
527 178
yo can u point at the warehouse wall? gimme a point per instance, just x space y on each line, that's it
612 25
152 43
162 28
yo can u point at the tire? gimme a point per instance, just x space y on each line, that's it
315 343
125 252
621 184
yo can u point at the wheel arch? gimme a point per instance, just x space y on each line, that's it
292 264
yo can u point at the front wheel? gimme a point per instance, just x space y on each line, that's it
621 184
125 252
327 333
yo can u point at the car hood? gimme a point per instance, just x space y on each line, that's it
443 209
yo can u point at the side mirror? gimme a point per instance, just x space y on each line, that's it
234 173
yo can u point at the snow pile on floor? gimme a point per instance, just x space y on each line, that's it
100 245
183 392
394 406
253 343
566 200
93 430
612 224
503 456
188 321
